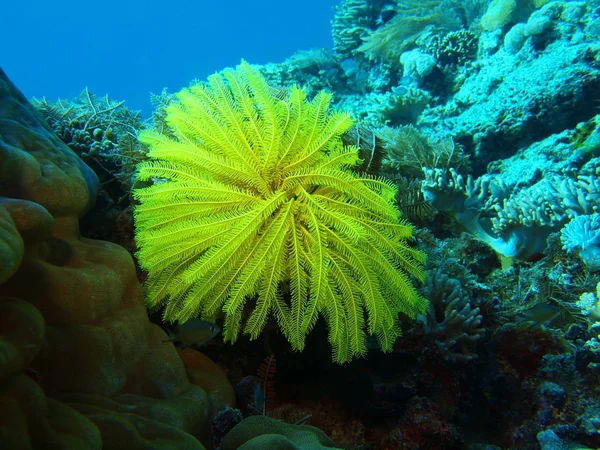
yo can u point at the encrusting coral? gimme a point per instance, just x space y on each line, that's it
256 199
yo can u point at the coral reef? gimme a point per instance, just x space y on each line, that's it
581 236
353 21
453 49
503 12
314 70
408 151
550 83
483 114
84 367
101 131
400 106
413 19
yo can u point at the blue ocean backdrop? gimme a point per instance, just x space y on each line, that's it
130 48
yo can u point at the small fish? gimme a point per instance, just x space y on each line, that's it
258 399
193 332
259 395
34 375
541 313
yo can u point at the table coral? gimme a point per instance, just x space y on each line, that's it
514 223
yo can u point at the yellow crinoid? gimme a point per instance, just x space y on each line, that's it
254 200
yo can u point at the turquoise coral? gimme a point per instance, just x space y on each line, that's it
582 237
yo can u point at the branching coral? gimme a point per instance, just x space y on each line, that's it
255 199
453 49
452 322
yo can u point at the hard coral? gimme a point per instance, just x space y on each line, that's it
72 313
552 83
11 245
100 130
413 20
423 426
503 12
521 348
498 14
454 49
452 321
264 433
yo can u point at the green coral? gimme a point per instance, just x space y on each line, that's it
264 433
255 200
504 12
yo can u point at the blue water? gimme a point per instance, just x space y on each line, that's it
128 48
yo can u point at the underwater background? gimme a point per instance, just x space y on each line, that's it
361 224
128 49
